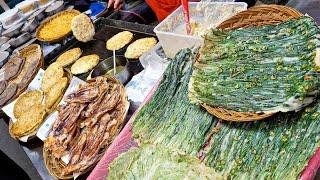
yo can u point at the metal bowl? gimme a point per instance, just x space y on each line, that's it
106 65
54 8
20 39
6 47
12 31
3 40
4 55
24 45
30 25
38 15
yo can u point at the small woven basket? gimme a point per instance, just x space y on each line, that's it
255 16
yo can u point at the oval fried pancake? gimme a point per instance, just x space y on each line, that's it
69 57
8 93
85 64
13 67
82 28
3 85
119 40
52 74
25 101
55 92
28 120
139 47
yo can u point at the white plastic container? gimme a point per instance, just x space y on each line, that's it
171 31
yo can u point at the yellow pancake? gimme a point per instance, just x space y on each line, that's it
139 47
52 74
28 121
55 92
69 57
85 64
25 101
119 40
82 28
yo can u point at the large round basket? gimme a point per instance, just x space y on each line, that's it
255 16
55 165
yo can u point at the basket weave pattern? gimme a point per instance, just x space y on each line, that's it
255 16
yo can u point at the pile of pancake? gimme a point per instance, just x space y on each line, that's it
18 72
32 107
54 84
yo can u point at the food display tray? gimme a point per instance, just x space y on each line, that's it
98 45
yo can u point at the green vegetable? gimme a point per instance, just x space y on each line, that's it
258 69
277 148
158 162
169 118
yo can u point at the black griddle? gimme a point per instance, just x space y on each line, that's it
104 31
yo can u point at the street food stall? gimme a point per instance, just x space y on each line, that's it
217 90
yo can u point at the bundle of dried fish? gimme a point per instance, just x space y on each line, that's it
93 115
18 72
259 69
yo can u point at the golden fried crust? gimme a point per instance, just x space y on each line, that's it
25 101
52 74
69 57
139 47
55 92
85 64
82 28
119 40
28 121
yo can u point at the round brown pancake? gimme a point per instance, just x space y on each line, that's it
8 93
13 67
3 85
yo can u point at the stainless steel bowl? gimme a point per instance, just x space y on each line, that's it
24 45
106 65
21 39
13 31
30 26
3 39
55 8
4 55
6 47
38 15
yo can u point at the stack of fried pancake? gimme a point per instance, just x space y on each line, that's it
54 83
29 113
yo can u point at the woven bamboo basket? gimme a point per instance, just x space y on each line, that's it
255 16
55 165
71 11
